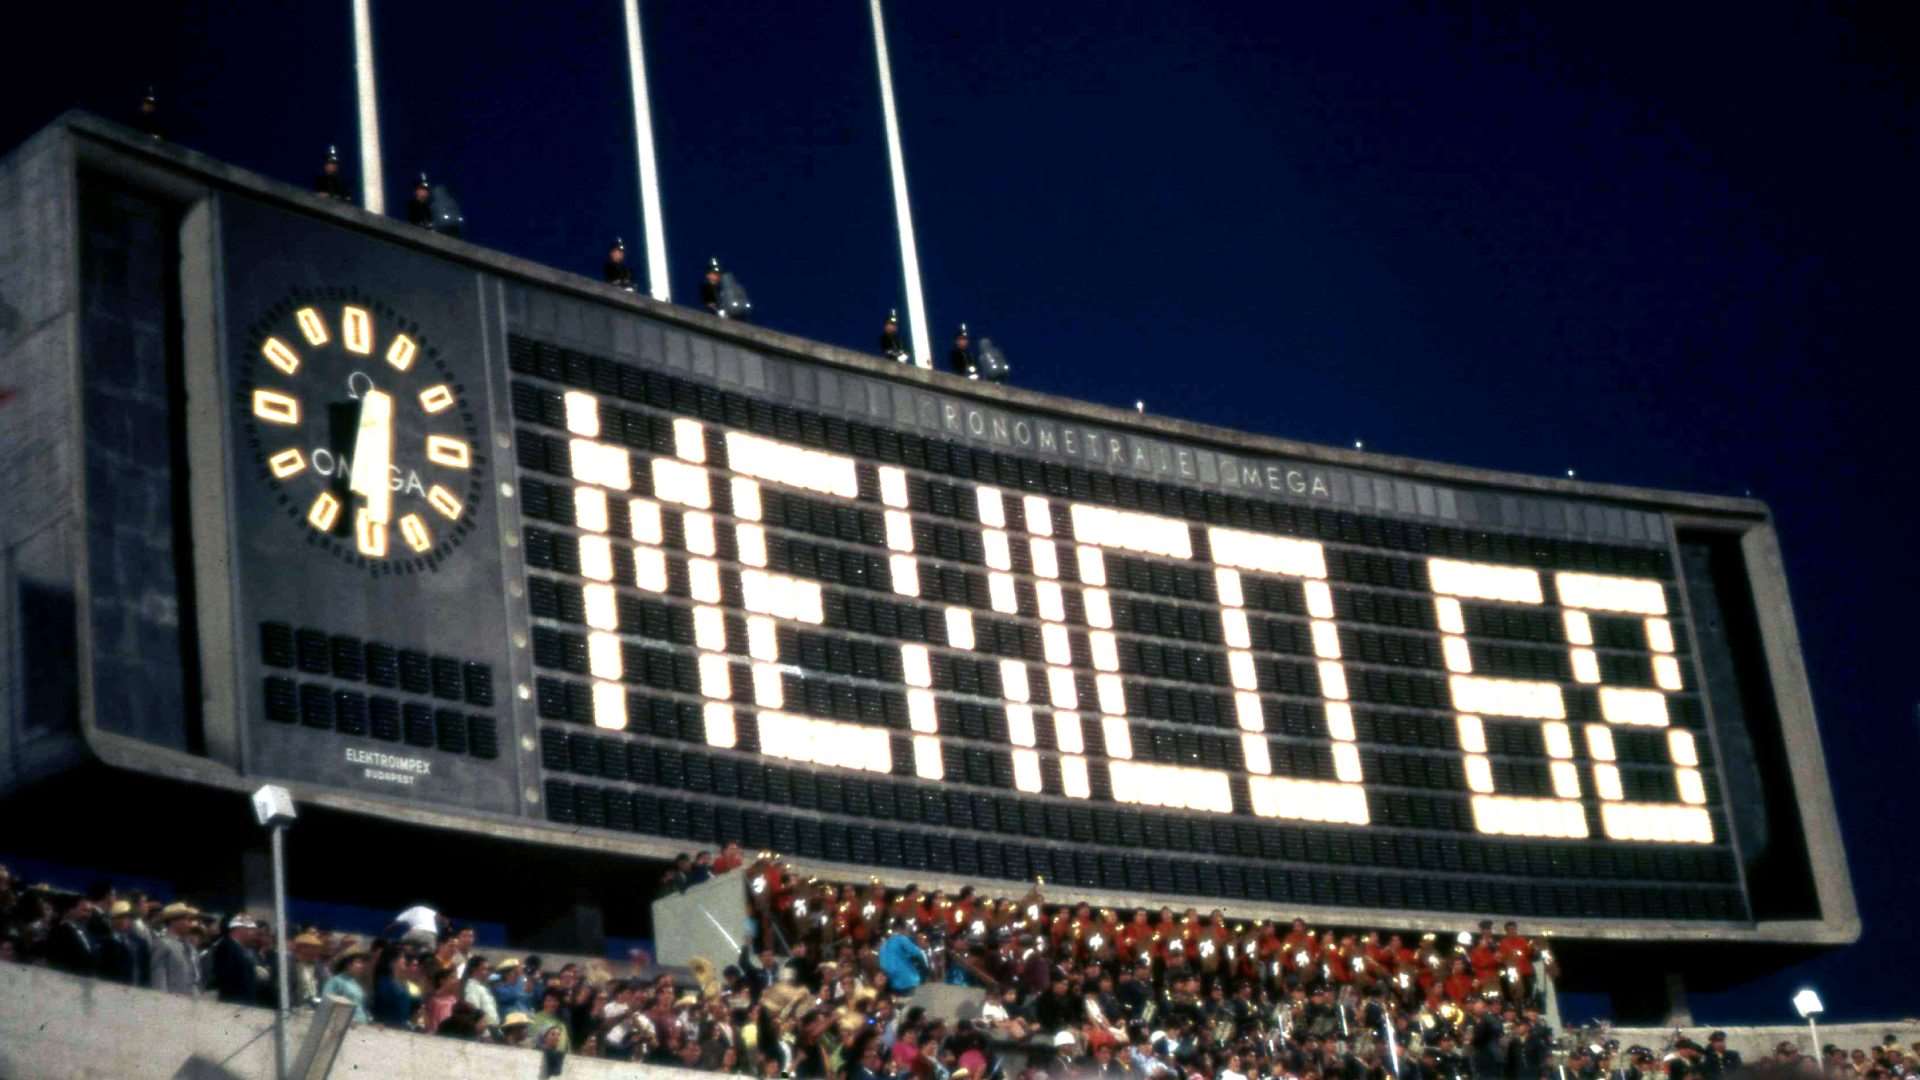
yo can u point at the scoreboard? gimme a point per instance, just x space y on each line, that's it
514 552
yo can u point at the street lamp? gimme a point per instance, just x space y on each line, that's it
273 810
1808 1003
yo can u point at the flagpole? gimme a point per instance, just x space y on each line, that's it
373 192
657 284
902 212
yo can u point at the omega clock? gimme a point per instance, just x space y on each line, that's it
362 432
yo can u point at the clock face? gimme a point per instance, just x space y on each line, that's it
362 430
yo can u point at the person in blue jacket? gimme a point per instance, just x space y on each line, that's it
904 958
511 989
393 1000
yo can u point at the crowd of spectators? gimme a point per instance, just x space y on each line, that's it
825 986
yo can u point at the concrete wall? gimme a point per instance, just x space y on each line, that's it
709 919
57 1027
39 458
129 351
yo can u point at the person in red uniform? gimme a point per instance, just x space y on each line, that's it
730 859
1459 985
1269 946
1404 955
1336 960
1299 937
1137 936
960 915
1329 958
1517 952
1166 930
1107 930
1484 958
1432 965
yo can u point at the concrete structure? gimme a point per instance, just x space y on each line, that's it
709 919
121 628
57 1027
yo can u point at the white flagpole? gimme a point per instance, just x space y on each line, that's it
373 192
903 214
649 172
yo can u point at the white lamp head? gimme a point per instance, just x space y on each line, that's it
1808 1003
273 805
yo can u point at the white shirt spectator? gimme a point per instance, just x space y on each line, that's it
420 917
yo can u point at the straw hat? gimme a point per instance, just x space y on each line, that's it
178 910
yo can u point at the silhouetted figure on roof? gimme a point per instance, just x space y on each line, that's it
960 357
891 346
616 271
149 117
435 208
420 207
723 294
330 184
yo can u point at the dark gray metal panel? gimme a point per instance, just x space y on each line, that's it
443 605
40 520
141 683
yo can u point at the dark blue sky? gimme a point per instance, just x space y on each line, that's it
1666 245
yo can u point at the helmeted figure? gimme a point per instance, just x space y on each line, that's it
710 286
435 208
1718 1061
891 346
960 357
420 207
616 271
723 295
330 184
149 119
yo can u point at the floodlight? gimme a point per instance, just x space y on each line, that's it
273 806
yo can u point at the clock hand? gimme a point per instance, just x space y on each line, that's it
373 453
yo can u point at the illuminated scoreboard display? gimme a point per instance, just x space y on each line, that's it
953 657
563 559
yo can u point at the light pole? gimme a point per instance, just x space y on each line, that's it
273 810
373 191
1808 1003
656 229
902 210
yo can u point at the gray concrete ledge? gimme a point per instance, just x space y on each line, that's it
58 1027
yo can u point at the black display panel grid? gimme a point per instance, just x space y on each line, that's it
1417 793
